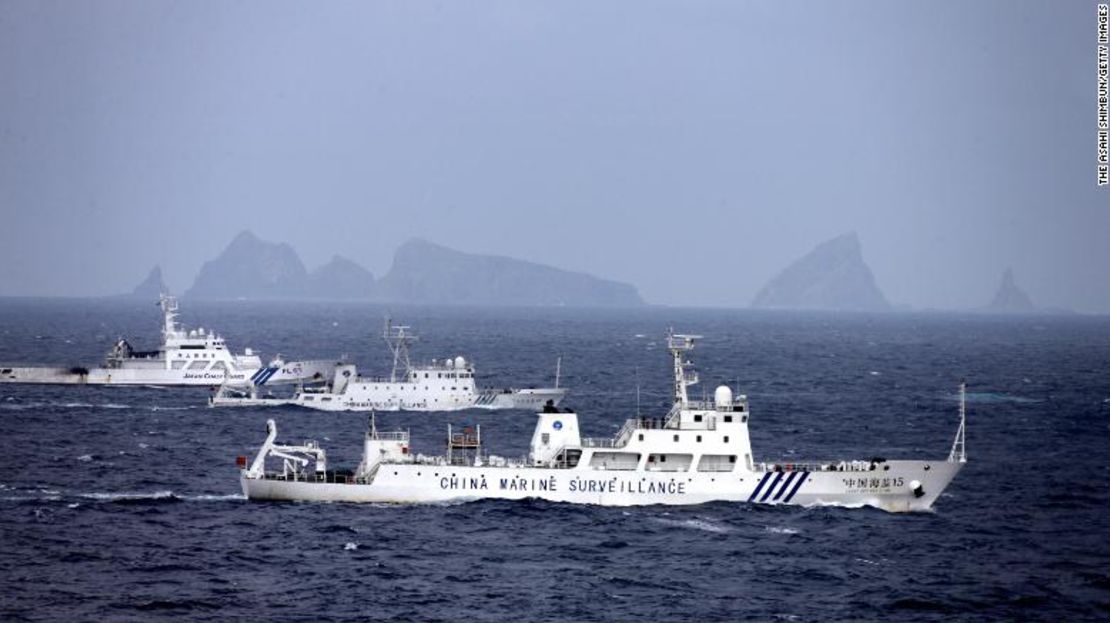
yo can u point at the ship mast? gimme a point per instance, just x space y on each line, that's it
684 373
169 316
959 450
398 340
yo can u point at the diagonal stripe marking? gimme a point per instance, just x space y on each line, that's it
797 485
760 487
785 485
266 376
774 483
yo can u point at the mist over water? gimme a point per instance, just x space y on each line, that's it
121 503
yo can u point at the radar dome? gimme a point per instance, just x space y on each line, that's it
460 362
449 362
723 396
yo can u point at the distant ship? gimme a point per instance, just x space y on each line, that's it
447 385
698 452
186 358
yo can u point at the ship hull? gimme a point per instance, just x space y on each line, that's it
524 399
288 373
888 487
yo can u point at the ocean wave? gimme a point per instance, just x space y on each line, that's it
29 406
781 530
215 497
695 524
131 496
994 398
160 496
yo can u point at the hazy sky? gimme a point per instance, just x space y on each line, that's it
691 148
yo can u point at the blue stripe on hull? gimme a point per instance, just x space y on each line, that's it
774 483
797 485
759 488
265 376
785 485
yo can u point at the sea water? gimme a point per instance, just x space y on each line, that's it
123 503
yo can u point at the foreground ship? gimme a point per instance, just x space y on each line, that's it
441 386
192 357
699 452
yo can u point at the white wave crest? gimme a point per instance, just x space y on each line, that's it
781 530
130 495
216 498
695 524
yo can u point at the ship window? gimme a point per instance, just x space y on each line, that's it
425 375
641 436
716 463
676 437
726 438
699 438
180 363
697 418
197 365
743 418
728 418
219 365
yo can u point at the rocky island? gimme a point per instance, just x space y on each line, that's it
831 277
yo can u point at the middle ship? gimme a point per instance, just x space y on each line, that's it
447 385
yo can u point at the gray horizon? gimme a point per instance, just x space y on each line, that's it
692 150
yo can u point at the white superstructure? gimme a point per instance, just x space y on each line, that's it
186 357
447 385
698 452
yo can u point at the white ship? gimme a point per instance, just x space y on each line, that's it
193 357
447 385
699 452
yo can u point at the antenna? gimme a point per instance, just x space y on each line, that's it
959 448
558 370
398 339
637 391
